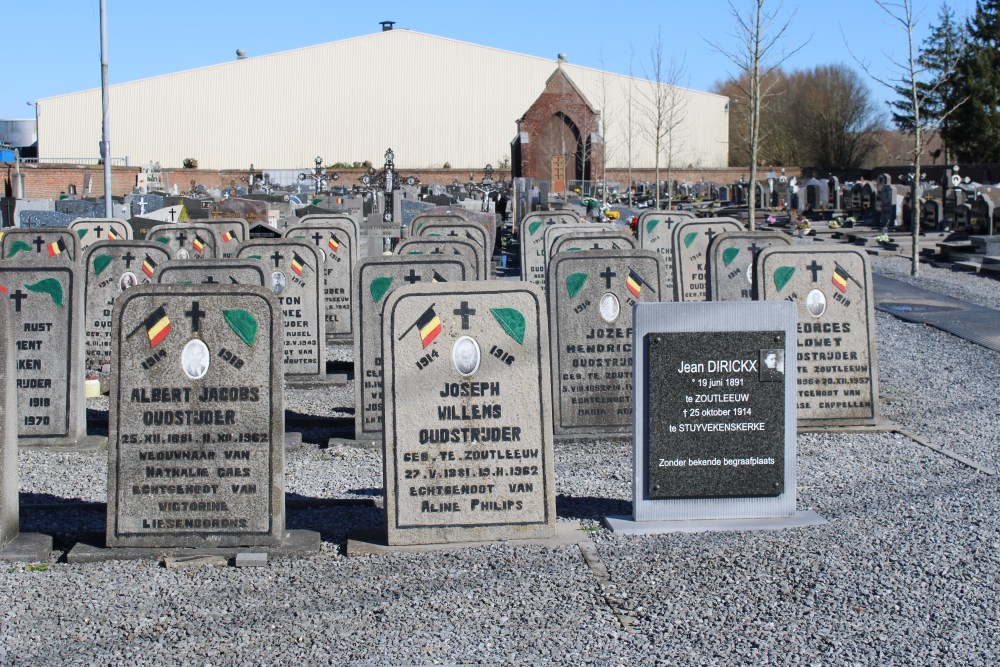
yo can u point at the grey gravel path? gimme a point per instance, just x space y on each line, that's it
905 572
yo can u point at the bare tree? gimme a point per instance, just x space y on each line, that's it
663 108
602 128
756 55
908 75
629 120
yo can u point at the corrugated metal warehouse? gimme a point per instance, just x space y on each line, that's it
432 99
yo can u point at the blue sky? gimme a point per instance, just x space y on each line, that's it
53 46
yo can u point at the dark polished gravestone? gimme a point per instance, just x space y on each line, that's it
468 434
92 230
690 242
14 545
731 258
50 243
196 421
836 359
425 245
336 240
468 231
574 241
532 234
590 299
47 299
111 268
714 430
375 278
185 241
296 277
655 231
229 234
228 272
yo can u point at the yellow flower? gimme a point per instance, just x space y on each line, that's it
613 215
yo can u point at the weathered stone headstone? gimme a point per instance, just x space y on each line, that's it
574 241
590 299
424 245
468 432
836 360
246 209
111 268
185 241
229 234
35 244
655 231
714 436
554 232
336 240
9 504
690 242
321 220
48 339
92 230
731 258
297 280
376 278
464 231
196 421
227 272
440 215
532 233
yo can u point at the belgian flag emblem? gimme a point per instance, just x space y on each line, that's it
839 279
228 236
428 325
438 278
148 266
157 326
198 243
112 236
634 283
297 263
334 243
57 247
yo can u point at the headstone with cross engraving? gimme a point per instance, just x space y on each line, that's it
336 240
655 230
590 299
554 232
532 235
691 269
296 277
196 420
37 244
229 234
468 433
111 268
375 278
91 230
185 241
228 272
573 241
468 231
48 338
425 245
349 221
439 216
731 263
836 360
9 523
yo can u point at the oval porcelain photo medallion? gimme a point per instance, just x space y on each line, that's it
465 356
195 359
816 303
609 307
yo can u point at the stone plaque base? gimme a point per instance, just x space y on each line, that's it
372 542
564 438
626 526
28 548
883 426
92 550
316 381
293 440
86 444
362 443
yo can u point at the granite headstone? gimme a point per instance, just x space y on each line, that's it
39 244
185 241
91 230
336 240
690 242
731 258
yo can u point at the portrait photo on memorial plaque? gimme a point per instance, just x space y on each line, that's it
772 365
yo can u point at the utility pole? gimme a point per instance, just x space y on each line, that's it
105 124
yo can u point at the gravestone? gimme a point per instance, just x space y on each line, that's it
573 241
655 231
227 272
464 231
341 219
229 234
555 232
375 278
263 230
590 299
42 219
249 210
714 433
111 268
296 278
532 233
931 215
444 215
468 433
196 421
731 258
336 240
690 242
48 338
185 241
39 244
425 245
836 361
91 230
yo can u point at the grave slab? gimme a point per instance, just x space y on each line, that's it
58 244
92 549
372 542
93 230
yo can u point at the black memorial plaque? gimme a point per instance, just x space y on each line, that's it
715 414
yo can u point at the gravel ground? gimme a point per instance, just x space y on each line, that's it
905 572
974 288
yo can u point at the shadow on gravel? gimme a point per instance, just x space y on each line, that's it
333 523
589 507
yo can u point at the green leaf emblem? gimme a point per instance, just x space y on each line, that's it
82 232
101 262
512 322
782 275
729 254
574 283
243 324
163 239
380 286
651 225
689 239
16 247
533 227
49 286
